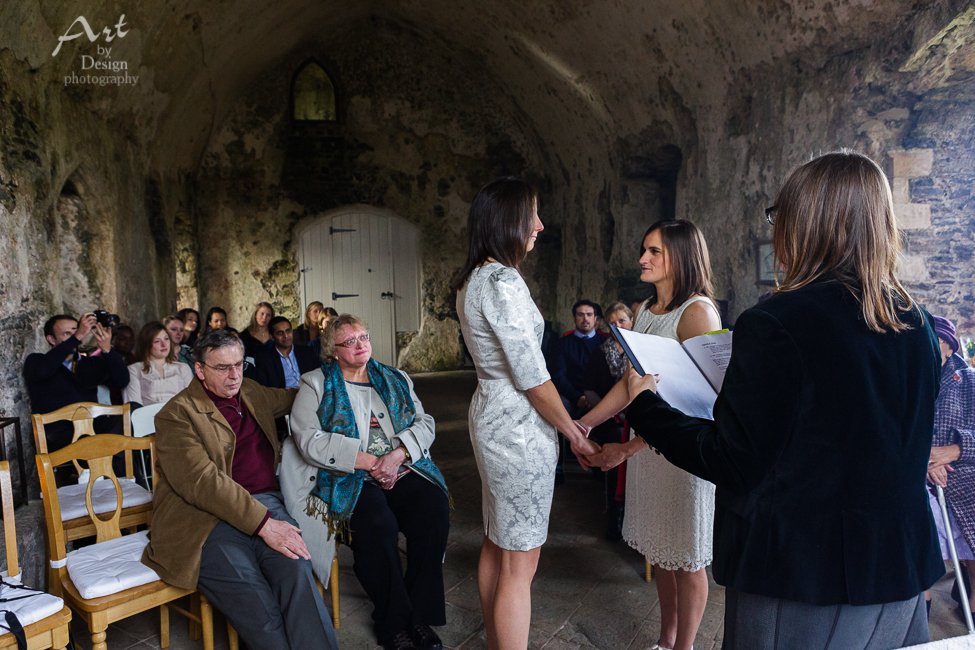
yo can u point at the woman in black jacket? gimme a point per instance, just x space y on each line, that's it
821 434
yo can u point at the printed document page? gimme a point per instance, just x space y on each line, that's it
711 352
680 382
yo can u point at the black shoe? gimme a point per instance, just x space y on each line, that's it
399 641
425 638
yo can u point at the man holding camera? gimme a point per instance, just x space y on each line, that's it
62 376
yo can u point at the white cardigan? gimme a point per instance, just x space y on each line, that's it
154 388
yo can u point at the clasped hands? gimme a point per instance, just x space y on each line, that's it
938 464
613 454
385 468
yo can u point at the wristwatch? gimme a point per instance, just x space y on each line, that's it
407 452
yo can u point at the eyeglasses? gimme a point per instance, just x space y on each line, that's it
352 342
770 214
223 369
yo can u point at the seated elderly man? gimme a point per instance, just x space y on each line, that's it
366 440
218 521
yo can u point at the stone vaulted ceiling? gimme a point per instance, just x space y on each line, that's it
597 65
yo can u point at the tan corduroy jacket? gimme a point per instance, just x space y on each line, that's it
194 489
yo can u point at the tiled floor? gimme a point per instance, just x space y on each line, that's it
588 593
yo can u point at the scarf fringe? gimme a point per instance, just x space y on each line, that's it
338 527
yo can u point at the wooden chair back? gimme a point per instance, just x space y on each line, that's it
9 524
97 451
82 416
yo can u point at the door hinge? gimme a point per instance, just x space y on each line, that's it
332 231
336 296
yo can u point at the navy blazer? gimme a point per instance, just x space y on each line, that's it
819 450
270 372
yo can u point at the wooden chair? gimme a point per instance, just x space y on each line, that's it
100 611
51 631
82 416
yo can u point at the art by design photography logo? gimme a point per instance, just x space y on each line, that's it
100 69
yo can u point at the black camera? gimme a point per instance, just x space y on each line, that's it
106 319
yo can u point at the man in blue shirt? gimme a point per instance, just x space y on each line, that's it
571 357
283 365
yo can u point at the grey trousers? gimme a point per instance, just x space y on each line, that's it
271 600
760 623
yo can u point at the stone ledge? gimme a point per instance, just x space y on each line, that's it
911 163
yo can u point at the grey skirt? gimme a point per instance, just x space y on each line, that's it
761 623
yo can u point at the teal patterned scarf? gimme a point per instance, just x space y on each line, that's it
335 493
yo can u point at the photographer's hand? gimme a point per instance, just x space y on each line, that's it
103 337
85 325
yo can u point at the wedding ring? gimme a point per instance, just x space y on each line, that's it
382 480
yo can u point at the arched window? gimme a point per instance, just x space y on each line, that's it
313 94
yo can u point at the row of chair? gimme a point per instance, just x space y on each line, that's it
104 582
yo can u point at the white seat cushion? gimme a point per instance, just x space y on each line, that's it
72 497
29 610
110 567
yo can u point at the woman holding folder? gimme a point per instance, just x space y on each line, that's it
821 433
669 512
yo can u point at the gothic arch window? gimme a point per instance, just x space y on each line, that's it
313 94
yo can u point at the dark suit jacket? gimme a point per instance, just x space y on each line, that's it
819 450
270 372
193 485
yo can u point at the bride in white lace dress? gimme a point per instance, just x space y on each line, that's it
516 409
669 513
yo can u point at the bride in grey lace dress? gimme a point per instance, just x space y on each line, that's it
516 409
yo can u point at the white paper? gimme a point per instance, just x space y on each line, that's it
681 383
711 352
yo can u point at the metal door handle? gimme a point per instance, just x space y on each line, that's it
386 294
336 296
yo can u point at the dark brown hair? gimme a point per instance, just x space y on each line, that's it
689 261
834 219
500 223
143 343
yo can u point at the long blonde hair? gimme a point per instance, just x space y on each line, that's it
834 219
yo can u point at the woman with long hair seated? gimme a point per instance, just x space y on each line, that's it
364 442
822 430
256 338
157 375
310 328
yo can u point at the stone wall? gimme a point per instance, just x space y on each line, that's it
75 229
778 115
420 131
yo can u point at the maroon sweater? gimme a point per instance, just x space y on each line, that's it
253 463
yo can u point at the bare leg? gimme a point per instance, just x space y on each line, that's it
692 598
513 598
488 569
667 595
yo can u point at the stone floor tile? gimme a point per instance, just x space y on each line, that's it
600 628
461 625
536 640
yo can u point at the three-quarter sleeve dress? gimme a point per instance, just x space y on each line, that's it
515 447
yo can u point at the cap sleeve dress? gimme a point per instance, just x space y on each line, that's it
515 447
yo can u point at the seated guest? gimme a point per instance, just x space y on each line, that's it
256 337
123 342
606 367
283 365
952 462
191 321
158 375
218 522
216 319
61 376
327 316
178 334
360 422
309 330
571 358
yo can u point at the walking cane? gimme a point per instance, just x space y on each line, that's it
954 560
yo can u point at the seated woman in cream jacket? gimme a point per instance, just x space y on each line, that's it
359 467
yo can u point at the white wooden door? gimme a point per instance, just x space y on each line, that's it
364 263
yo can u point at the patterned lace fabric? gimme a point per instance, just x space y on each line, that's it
515 447
669 513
